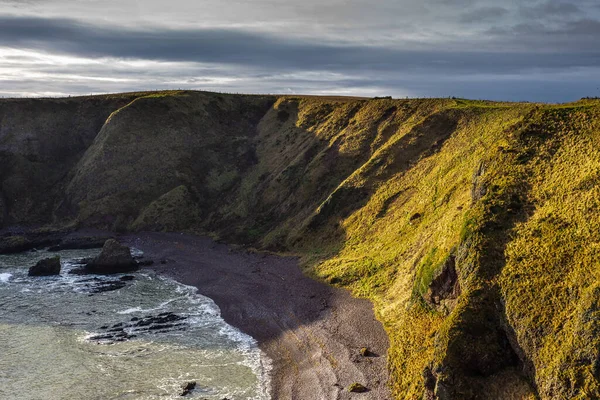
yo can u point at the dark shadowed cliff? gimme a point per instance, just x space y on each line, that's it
474 227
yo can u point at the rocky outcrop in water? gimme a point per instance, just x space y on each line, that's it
46 267
161 323
96 285
187 388
115 258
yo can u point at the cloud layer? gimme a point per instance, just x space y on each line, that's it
537 51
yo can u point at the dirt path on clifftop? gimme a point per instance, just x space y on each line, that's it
312 332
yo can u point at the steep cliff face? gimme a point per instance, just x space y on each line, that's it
40 141
157 143
472 226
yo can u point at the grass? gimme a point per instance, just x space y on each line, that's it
374 195
439 188
550 281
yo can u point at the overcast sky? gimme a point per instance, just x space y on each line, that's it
547 50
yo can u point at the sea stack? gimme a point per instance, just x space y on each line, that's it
115 258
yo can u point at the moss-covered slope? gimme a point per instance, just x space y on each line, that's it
474 227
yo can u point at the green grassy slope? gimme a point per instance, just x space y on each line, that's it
474 227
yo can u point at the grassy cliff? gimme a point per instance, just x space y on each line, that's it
474 227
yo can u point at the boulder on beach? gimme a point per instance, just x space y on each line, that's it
46 267
115 258
357 388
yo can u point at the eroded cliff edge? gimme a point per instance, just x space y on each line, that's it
474 227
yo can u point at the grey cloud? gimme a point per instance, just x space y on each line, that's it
552 8
483 14
273 52
582 27
454 3
571 34
19 3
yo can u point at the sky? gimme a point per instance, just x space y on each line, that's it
516 50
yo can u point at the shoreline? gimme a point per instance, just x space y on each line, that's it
311 332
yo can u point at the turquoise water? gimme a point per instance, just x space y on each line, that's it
55 341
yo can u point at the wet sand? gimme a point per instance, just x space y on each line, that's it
312 332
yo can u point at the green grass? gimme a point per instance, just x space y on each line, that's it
425 272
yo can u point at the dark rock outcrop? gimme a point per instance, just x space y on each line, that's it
96 285
115 258
478 188
46 267
14 244
11 244
429 382
164 322
357 388
444 287
187 388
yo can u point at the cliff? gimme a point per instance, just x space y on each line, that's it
474 227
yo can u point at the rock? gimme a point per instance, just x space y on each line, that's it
150 324
444 286
115 258
18 244
46 267
415 217
14 244
120 336
20 240
335 280
145 263
357 388
478 187
96 285
102 287
429 381
187 388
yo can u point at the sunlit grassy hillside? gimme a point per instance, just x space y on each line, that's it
474 227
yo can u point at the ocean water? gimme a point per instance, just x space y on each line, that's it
65 338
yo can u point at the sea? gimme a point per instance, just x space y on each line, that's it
128 336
